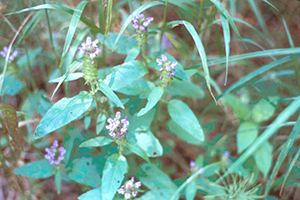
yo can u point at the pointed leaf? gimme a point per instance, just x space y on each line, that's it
148 142
136 149
110 94
99 141
246 135
37 169
263 158
94 194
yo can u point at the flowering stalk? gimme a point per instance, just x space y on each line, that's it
140 24
167 70
130 188
194 168
117 129
90 51
54 154
11 57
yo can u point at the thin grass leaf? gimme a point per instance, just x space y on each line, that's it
226 32
133 14
267 2
269 132
72 29
85 20
200 49
258 16
242 81
226 14
283 153
289 170
109 16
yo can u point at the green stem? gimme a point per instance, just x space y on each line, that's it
164 24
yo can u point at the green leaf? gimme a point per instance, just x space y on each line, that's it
113 174
124 45
269 132
110 94
101 120
87 122
94 194
185 89
191 190
63 112
153 98
183 134
133 54
36 102
66 78
240 109
58 181
9 121
72 28
226 33
125 74
141 88
136 149
264 110
37 169
263 158
11 85
246 135
84 170
148 142
98 141
184 117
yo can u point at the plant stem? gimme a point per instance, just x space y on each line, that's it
164 24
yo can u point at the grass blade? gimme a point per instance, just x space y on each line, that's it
109 15
269 132
200 48
226 32
283 153
258 16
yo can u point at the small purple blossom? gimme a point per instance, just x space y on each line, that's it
90 47
141 23
225 158
117 127
54 154
11 57
194 168
167 69
129 189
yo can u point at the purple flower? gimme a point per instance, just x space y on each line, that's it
90 47
167 69
54 154
194 168
117 127
129 189
141 23
225 158
11 57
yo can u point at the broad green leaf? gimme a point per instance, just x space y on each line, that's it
84 170
136 149
269 132
264 110
58 181
200 49
133 54
110 94
153 98
11 85
66 78
124 45
94 194
191 190
10 128
36 102
63 112
37 169
133 15
184 117
125 74
101 120
153 178
87 122
157 194
183 134
246 135
240 109
142 122
98 141
113 174
141 88
148 142
263 158
185 89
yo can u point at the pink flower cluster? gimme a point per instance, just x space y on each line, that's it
11 57
90 47
54 154
117 127
141 23
129 189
